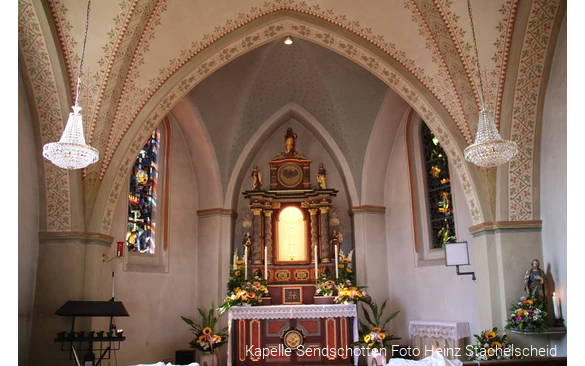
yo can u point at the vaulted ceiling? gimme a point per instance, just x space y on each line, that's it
144 55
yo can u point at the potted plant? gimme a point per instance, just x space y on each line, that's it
242 292
374 334
207 340
527 315
325 289
491 346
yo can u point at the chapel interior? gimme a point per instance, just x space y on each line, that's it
213 90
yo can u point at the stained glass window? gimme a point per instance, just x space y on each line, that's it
140 231
438 182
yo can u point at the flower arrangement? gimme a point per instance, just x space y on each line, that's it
527 313
242 292
346 272
347 294
491 346
206 339
325 285
374 334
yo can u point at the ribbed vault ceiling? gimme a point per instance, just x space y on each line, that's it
241 96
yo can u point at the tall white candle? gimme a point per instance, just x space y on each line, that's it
556 306
265 263
246 263
336 263
316 270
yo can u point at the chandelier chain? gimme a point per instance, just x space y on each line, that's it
82 54
476 54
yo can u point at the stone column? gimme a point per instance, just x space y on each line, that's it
257 236
314 233
325 250
268 234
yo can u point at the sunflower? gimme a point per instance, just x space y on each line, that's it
382 336
496 344
528 302
201 339
341 265
206 331
326 286
239 261
522 312
376 329
490 352
490 335
261 288
240 267
348 270
236 273
345 260
367 338
256 283
216 339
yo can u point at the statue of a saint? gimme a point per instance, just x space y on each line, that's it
336 238
289 142
256 178
247 243
534 282
322 177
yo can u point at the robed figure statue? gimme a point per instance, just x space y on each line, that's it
534 282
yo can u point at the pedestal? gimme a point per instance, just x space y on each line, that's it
207 359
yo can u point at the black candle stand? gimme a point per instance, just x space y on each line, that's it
83 344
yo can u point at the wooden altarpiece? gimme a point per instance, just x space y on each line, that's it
289 253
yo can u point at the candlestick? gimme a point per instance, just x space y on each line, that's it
246 263
336 264
316 270
556 306
266 263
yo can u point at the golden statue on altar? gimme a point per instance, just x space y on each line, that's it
322 177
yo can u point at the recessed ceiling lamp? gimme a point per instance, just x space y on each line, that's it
489 149
288 41
71 152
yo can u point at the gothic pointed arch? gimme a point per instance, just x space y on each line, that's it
262 31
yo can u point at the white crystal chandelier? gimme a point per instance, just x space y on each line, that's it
489 149
71 152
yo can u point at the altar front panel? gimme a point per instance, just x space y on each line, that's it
259 335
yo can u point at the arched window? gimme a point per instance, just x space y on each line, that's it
438 187
148 198
142 198
431 192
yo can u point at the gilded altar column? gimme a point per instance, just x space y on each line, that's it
314 233
324 250
257 236
268 234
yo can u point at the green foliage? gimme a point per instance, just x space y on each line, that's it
206 339
527 313
373 333
491 346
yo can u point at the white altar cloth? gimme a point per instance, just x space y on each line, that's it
308 311
447 330
450 336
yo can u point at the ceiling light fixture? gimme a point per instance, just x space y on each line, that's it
71 152
489 149
288 41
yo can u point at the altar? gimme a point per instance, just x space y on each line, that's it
292 335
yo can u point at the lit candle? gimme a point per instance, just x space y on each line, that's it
556 306
246 263
336 263
265 263
316 270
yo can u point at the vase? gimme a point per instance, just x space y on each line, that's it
324 299
375 358
208 359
